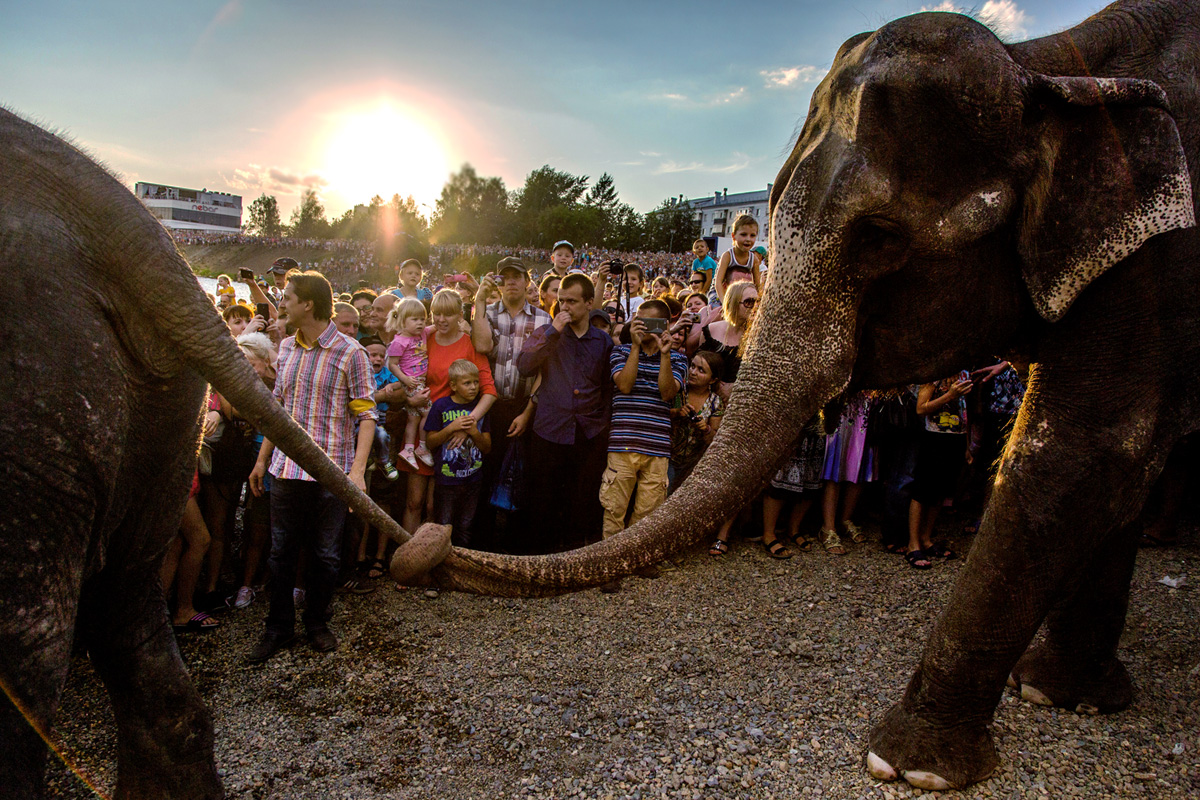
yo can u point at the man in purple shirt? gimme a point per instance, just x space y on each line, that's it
568 449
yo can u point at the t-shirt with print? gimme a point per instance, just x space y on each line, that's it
382 378
950 418
455 465
641 420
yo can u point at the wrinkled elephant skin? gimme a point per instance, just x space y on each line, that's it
99 439
951 198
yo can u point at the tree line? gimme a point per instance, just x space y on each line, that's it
473 209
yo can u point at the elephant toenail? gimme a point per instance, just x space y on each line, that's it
880 769
1087 708
926 780
1012 682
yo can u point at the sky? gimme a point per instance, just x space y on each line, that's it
358 98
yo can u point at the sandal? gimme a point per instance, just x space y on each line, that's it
832 542
377 569
802 543
972 527
199 623
777 549
896 549
854 532
719 548
940 550
917 559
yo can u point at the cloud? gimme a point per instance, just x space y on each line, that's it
711 101
649 153
225 15
273 180
787 76
1003 16
741 161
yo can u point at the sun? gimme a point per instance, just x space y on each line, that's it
383 151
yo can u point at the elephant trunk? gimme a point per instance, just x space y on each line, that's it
785 378
198 337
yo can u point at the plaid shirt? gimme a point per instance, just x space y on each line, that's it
508 337
326 387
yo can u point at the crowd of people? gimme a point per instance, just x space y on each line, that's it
534 414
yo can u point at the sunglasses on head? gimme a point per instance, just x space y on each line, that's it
749 302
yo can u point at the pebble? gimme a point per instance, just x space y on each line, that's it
687 686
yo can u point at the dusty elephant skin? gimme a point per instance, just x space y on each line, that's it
99 443
950 198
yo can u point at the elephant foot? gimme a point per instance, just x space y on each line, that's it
928 757
1047 678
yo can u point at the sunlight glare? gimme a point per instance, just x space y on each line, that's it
384 151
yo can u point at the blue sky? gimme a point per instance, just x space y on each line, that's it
355 98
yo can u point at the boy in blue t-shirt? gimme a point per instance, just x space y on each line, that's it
647 376
704 263
458 445
377 353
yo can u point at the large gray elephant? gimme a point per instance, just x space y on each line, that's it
106 355
950 198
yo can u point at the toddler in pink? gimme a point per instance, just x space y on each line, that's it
407 358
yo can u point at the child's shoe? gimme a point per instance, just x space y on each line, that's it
389 471
409 458
425 456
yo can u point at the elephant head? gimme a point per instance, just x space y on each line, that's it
941 201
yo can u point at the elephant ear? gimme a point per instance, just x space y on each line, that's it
1110 173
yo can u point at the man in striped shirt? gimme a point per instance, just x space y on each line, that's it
647 375
324 380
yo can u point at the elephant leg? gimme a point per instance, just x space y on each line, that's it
1076 666
164 730
1055 503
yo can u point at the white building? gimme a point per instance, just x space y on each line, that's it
717 213
191 209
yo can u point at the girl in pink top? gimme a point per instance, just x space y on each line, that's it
408 359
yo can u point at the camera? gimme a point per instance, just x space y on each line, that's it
245 274
262 310
655 325
615 266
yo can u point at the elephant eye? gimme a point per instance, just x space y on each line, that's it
878 244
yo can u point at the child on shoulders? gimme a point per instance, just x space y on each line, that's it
741 263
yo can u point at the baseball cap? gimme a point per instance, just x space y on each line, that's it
511 264
563 243
283 265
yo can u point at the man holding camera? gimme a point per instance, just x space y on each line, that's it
647 376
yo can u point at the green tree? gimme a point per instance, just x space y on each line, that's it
626 230
545 188
472 210
308 219
263 217
603 194
671 226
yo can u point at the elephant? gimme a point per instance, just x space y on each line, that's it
99 432
949 198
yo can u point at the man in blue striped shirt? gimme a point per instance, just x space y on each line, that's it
647 376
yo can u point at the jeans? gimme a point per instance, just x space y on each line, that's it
303 514
455 505
382 448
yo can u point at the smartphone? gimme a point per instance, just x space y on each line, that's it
245 274
263 310
655 325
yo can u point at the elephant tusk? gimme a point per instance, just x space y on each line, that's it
422 553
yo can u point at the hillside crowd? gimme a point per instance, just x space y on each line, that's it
538 413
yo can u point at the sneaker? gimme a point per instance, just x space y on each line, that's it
298 598
409 458
268 645
322 640
425 456
355 586
389 471
243 598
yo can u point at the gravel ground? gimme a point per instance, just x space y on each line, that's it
733 677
